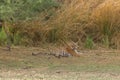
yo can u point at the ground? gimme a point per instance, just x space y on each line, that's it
20 64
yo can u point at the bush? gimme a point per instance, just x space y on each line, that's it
3 37
89 43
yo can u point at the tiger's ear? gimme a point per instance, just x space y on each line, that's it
75 45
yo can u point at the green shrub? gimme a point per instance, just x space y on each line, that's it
106 41
16 39
3 37
53 35
89 43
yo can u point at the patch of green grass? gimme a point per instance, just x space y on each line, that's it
89 43
17 39
3 37
106 41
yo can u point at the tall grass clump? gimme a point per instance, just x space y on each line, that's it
72 20
80 18
3 37
107 22
89 43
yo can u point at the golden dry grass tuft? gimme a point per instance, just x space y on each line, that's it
81 21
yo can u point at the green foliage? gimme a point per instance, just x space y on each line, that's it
107 32
23 9
106 41
53 35
17 39
3 37
106 29
7 9
89 43
45 5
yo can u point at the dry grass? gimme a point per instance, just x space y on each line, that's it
75 20
106 21
35 75
19 64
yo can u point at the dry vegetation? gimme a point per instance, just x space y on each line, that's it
93 24
90 23
20 64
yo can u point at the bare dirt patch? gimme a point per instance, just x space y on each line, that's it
20 64
33 74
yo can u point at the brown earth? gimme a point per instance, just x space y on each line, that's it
20 64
